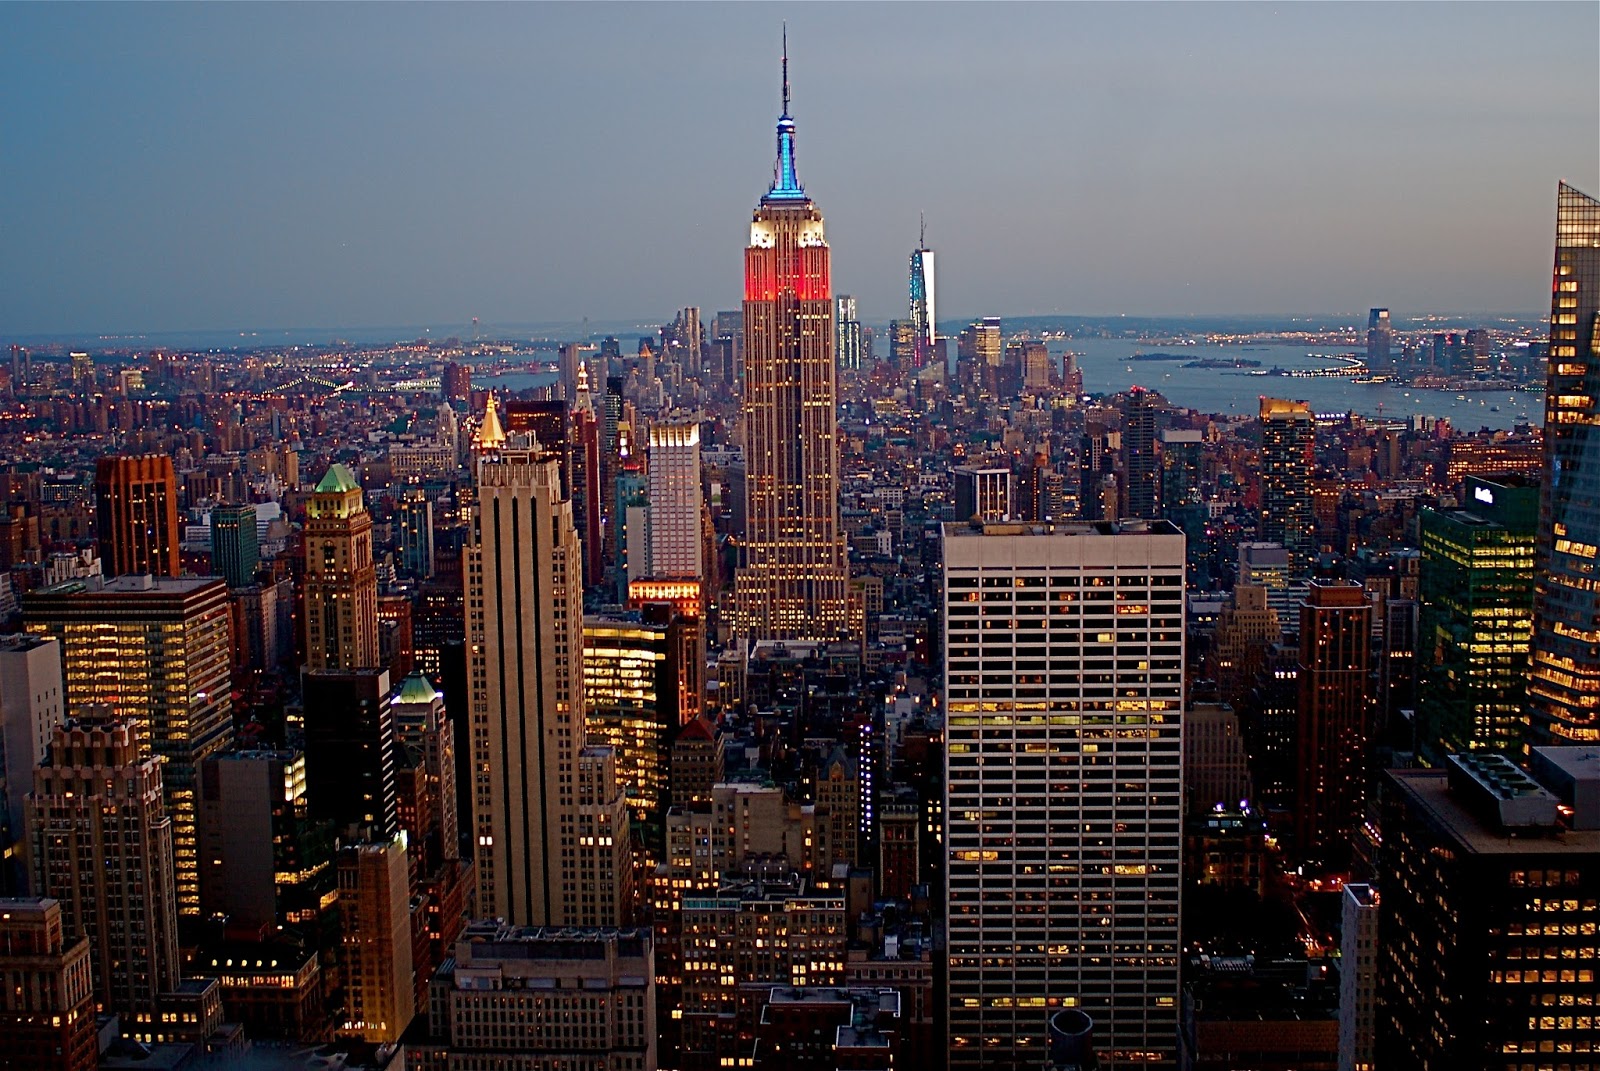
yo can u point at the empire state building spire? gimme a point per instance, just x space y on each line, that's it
785 183
793 584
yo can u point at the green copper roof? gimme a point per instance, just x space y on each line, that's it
417 689
338 479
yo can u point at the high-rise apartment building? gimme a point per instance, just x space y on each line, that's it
30 710
47 1005
525 674
102 847
156 650
1288 455
793 582
235 552
375 932
1564 681
136 515
1139 454
1476 619
1063 786
341 583
1336 720
924 311
676 503
1486 930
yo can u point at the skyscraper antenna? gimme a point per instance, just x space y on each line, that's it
786 69
922 231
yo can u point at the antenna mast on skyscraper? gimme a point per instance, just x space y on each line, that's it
922 231
786 69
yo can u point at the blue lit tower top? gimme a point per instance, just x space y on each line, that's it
785 184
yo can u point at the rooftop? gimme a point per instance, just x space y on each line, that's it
337 480
1022 528
1430 791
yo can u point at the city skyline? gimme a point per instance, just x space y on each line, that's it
274 195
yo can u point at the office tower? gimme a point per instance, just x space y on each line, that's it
168 641
30 710
234 550
349 732
102 846
630 688
414 534
1335 732
525 638
511 995
979 351
610 446
1034 361
602 893
1380 340
136 515
984 493
676 501
455 382
698 761
1486 927
1139 446
341 582
1288 454
1476 618
47 1005
1358 977
792 583
375 939
1063 786
847 332
265 862
1564 681
924 318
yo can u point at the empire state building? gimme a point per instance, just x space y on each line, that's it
794 579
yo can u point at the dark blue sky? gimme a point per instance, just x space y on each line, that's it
225 165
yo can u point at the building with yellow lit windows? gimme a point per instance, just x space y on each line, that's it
1564 681
155 650
1063 787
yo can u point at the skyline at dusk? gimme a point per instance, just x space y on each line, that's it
210 168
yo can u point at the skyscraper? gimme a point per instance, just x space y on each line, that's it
167 640
375 931
1380 340
525 672
350 750
923 309
793 582
341 585
1336 720
102 846
414 534
676 501
1477 614
1288 454
1139 447
1564 681
136 515
30 710
847 332
235 552
1063 782
1485 951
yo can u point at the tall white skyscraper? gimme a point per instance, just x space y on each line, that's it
675 500
1064 795
525 669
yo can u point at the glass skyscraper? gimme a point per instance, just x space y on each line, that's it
1564 680
1288 453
